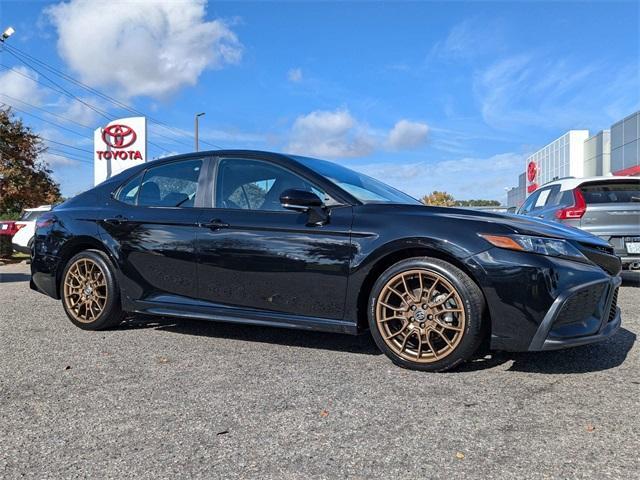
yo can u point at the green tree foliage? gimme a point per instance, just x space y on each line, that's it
439 199
444 199
25 181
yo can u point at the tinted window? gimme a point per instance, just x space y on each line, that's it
129 192
618 192
171 185
255 185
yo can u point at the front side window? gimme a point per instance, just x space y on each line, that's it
171 185
257 185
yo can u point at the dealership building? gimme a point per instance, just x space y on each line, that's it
577 154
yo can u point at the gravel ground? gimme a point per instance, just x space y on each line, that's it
160 399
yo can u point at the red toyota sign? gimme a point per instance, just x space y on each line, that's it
119 136
116 138
532 171
119 145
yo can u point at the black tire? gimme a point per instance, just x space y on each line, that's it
111 313
472 333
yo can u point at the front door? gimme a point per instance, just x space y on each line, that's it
254 254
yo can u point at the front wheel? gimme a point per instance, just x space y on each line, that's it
90 296
426 314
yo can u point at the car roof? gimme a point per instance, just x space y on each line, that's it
571 183
41 208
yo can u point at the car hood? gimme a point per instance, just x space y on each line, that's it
518 224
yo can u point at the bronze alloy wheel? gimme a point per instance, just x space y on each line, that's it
420 316
85 290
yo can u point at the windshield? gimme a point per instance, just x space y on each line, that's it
362 187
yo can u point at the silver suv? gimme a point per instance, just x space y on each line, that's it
608 207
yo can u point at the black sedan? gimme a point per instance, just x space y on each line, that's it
278 240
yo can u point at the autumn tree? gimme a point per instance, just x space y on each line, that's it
439 199
25 180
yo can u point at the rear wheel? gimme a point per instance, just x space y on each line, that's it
89 291
426 314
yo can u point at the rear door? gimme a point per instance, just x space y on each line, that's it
154 225
613 213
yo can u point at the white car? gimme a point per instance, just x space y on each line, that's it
23 239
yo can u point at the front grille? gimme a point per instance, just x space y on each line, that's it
614 304
581 306
603 257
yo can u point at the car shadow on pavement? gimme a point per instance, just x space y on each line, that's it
589 358
14 277
362 344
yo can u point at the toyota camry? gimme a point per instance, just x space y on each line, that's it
278 240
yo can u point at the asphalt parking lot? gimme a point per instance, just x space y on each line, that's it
160 399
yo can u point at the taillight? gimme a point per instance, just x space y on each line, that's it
18 226
576 210
45 220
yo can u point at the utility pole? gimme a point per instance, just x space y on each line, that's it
196 121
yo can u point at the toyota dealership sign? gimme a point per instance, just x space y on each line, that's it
119 145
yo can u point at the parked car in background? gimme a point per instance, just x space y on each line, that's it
26 227
8 228
608 207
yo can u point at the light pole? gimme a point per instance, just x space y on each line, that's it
196 118
6 34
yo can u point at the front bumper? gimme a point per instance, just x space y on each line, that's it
539 302
584 314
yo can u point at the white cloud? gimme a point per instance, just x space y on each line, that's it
338 134
407 134
513 93
295 75
330 134
142 48
15 85
465 178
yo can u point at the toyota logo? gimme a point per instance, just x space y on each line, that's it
532 170
118 136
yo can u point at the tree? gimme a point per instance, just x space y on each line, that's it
439 199
477 203
25 180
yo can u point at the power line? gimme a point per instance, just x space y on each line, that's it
88 105
159 147
15 51
47 111
47 121
66 145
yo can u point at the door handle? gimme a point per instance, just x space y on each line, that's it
117 220
215 224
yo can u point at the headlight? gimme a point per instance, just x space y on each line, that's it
554 247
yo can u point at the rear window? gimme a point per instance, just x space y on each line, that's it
30 216
618 192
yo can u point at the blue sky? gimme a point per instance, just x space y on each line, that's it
424 95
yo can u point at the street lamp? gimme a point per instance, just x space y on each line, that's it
196 118
7 33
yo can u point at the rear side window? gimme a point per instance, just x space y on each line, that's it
171 185
618 192
129 192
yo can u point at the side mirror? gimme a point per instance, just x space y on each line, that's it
300 200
